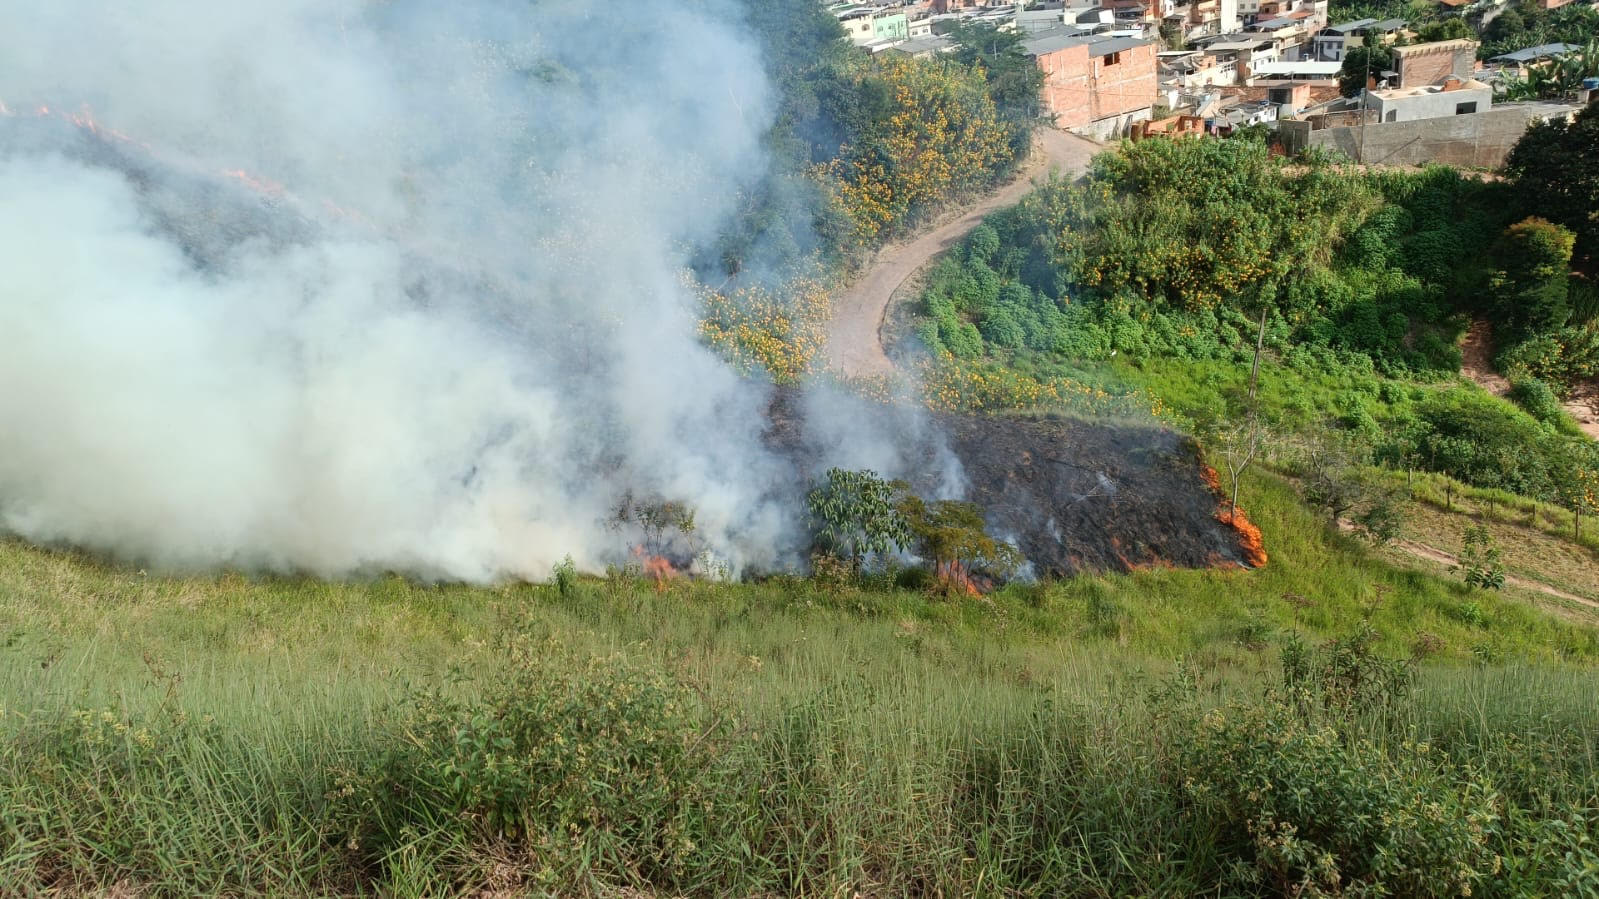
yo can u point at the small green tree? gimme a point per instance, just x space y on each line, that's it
1444 30
1362 63
1171 34
954 535
1479 560
655 518
854 515
1332 466
1578 489
1236 439
1554 175
1014 80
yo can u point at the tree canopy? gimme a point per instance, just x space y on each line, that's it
1555 177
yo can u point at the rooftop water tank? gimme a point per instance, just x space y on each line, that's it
1590 84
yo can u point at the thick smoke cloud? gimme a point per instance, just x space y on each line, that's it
451 331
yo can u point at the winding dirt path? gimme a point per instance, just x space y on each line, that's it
1583 404
1433 554
1477 360
1476 363
1419 550
855 343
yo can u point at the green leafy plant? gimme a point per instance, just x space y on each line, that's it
1480 563
656 518
565 577
855 515
563 756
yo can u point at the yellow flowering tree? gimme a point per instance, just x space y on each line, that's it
941 135
782 331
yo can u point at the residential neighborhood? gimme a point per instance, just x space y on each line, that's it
1139 68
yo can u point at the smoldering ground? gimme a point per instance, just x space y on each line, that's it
346 286
458 332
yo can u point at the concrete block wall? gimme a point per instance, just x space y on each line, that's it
1127 86
1482 140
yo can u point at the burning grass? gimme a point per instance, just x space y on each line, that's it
1072 495
1251 542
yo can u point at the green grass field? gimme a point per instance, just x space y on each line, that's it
241 736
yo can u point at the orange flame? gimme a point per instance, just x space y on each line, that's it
954 580
85 120
1251 541
255 182
656 567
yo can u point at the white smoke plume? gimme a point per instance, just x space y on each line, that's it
458 329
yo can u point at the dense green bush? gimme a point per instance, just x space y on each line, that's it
1169 248
1553 172
1558 358
1321 814
1537 399
1478 439
571 759
1531 285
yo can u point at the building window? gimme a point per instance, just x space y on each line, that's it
1465 108
1393 115
1113 59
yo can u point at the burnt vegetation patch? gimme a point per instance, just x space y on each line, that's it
1081 496
1072 495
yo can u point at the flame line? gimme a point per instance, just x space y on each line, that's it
261 185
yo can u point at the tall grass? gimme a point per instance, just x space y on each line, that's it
547 767
1103 736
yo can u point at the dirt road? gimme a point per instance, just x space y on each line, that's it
855 344
1433 554
1422 551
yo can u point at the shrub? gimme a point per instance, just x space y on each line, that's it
854 514
565 576
954 537
1486 442
982 244
562 758
999 327
1319 814
1532 280
1479 560
1584 296
1537 399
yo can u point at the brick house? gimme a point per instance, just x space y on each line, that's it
1422 65
1094 84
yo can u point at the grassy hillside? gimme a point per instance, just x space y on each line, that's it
196 736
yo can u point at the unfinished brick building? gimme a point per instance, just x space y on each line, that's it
1094 84
1420 65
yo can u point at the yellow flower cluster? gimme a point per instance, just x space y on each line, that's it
943 136
783 333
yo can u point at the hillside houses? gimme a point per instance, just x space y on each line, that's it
1335 41
1106 65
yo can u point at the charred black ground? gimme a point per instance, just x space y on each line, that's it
1074 496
